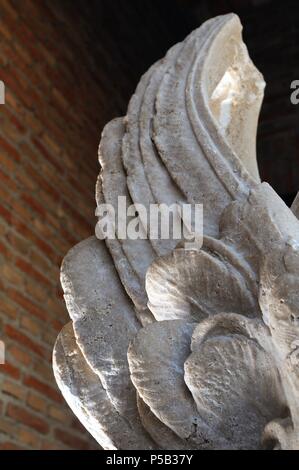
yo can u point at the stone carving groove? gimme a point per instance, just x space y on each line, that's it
175 348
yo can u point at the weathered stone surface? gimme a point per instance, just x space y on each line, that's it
85 394
162 388
295 206
198 284
104 323
131 257
236 386
161 434
214 364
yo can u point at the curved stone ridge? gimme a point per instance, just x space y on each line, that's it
175 348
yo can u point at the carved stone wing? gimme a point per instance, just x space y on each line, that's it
187 349
188 137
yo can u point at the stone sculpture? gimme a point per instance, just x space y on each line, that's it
171 348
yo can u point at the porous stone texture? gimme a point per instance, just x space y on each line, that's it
175 348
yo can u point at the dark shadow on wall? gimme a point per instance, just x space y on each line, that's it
140 33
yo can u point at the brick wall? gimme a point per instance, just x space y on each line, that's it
66 74
48 136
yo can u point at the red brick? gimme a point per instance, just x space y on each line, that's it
71 440
37 403
19 243
36 291
29 438
32 326
7 427
43 370
24 230
9 369
28 269
9 9
59 415
17 124
8 164
7 308
47 155
24 340
5 214
13 389
24 181
19 355
28 419
43 183
52 445
5 195
4 30
8 182
26 304
7 445
4 250
43 388
33 204
10 273
12 152
57 325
